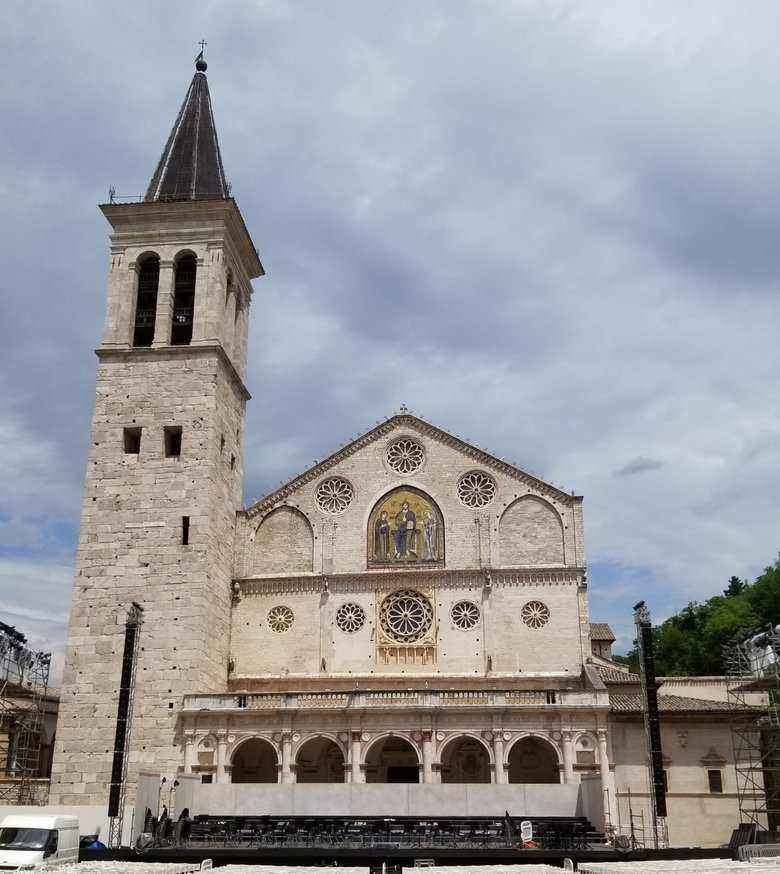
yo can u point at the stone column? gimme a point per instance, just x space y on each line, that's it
500 775
427 754
164 317
221 775
287 773
356 774
568 757
607 783
189 751
201 323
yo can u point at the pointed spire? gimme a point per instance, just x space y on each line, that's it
191 164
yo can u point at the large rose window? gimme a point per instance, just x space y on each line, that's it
406 615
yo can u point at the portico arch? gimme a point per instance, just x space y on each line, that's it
319 760
255 761
392 759
533 759
465 759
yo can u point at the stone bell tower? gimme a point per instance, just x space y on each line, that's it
165 466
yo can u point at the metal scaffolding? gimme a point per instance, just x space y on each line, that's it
117 790
24 680
753 668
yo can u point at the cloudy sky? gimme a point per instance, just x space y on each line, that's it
551 228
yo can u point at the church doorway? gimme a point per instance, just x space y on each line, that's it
465 760
392 760
319 760
533 760
255 761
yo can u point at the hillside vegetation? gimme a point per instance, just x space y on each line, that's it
691 642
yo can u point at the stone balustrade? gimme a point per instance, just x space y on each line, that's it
379 700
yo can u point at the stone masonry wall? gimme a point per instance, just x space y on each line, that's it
130 549
499 642
471 535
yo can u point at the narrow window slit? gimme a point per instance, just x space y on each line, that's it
172 439
131 438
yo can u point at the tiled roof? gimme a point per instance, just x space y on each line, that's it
668 704
601 631
190 167
614 675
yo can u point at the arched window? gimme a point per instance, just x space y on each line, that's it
146 301
183 300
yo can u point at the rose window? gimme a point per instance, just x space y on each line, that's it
405 455
334 495
476 489
535 614
280 619
464 615
406 615
350 617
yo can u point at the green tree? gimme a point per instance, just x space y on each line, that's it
692 641
736 586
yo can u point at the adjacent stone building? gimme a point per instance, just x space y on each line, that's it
410 610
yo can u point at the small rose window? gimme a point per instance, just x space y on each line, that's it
405 455
350 617
476 489
535 614
464 615
334 495
280 619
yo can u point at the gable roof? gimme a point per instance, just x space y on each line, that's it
601 631
405 419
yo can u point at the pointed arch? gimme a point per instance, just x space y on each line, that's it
530 533
405 527
283 543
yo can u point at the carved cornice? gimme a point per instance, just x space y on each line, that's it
386 580
135 353
407 420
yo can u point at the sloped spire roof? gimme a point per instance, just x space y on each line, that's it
190 167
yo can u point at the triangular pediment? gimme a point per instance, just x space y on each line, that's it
405 420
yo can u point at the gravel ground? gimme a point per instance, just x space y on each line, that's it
689 866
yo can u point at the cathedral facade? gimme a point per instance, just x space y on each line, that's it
410 610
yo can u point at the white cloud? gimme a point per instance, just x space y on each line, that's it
548 227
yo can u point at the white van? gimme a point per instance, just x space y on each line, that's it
30 840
